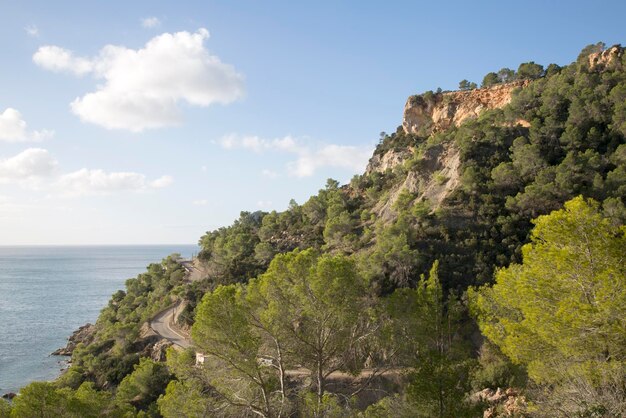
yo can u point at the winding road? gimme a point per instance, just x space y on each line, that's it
163 324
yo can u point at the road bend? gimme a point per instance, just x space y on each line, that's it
163 324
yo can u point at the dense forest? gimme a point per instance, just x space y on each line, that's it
480 274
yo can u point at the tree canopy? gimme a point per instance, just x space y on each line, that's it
562 312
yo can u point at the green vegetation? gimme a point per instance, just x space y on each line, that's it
561 312
369 299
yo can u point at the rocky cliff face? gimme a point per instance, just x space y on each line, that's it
436 112
602 59
381 163
439 176
440 165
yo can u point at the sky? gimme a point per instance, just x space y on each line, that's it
151 122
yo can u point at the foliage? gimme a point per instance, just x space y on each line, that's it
561 312
490 79
287 318
530 70
337 283
113 354
44 399
427 329
5 408
144 385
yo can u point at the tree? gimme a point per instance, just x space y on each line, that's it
561 312
5 409
307 311
530 70
44 399
464 84
426 328
320 305
39 399
235 350
491 79
590 49
144 385
506 75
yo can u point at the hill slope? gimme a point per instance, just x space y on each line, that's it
456 187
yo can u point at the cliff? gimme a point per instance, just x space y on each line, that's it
429 113
440 165
599 60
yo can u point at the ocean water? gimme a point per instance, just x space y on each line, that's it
48 292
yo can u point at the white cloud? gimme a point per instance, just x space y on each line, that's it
309 159
28 164
98 182
58 59
36 169
340 156
201 202
142 88
162 182
32 30
13 128
150 22
257 144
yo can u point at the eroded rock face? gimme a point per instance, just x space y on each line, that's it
438 176
599 60
440 111
389 160
84 334
500 403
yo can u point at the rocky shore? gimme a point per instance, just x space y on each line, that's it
85 334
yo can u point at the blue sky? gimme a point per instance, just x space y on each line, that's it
152 122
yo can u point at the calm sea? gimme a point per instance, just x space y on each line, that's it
48 292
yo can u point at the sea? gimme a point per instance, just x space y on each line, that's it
47 292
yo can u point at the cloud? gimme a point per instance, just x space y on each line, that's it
32 30
309 159
257 144
13 128
162 182
142 89
57 59
86 182
29 164
201 202
150 22
340 156
35 168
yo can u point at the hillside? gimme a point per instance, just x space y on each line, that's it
371 278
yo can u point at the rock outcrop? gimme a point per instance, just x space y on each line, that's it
84 334
381 163
428 113
438 176
599 60
500 403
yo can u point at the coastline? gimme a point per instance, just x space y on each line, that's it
48 293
